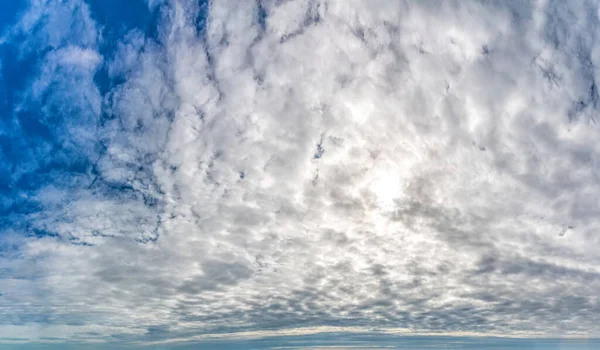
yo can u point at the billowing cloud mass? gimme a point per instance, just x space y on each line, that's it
257 166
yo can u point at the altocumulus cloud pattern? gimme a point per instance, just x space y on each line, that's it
180 170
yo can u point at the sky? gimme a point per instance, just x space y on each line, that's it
302 173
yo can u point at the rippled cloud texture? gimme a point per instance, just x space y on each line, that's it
172 169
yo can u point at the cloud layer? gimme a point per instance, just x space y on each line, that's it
255 166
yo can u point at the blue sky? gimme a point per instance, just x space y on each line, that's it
350 341
306 173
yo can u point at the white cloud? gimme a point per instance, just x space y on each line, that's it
56 23
355 163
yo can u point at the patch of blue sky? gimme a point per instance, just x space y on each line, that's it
116 20
10 12
40 131
40 142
